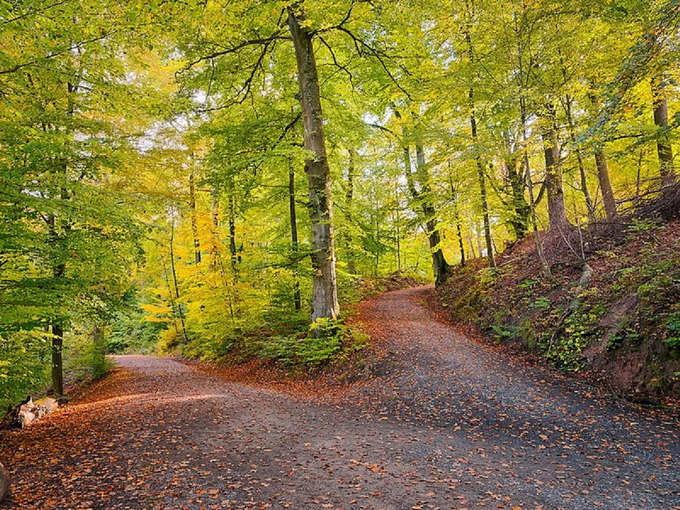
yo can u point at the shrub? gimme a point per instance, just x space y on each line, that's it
325 339
24 366
673 325
83 359
579 328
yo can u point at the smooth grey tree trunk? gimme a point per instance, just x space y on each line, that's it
557 212
325 288
478 157
194 218
603 173
294 237
663 143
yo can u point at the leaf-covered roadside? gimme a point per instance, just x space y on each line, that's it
296 346
441 421
624 328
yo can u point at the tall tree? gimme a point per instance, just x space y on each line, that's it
475 141
325 290
194 217
603 171
664 148
557 212
294 236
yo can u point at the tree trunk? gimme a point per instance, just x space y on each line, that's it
57 362
579 159
459 231
171 296
349 196
377 242
478 239
396 220
478 157
58 267
557 212
663 142
461 245
605 184
294 236
214 237
398 243
325 289
4 483
532 202
194 219
525 150
233 255
440 267
472 247
603 173
180 312
520 208
58 270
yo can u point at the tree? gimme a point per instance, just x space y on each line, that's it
557 212
325 294
663 142
66 156
473 128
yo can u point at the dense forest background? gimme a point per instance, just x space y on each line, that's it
196 177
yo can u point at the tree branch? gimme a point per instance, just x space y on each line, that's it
235 49
377 54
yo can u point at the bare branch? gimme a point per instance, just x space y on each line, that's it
382 128
337 64
57 53
379 55
266 41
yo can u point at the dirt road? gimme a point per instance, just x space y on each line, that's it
443 422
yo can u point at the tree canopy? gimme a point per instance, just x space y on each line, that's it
198 173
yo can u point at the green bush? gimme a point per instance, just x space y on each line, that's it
541 303
24 366
502 332
131 333
25 363
326 339
579 328
673 325
83 359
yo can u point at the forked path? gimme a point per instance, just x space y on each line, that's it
443 422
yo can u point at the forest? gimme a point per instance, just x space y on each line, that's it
232 183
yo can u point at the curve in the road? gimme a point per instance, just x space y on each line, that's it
443 422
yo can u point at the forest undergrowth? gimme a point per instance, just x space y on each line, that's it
620 327
295 350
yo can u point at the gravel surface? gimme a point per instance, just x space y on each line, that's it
437 421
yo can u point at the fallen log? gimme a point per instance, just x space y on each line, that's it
29 411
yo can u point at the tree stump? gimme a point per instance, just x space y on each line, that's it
4 483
